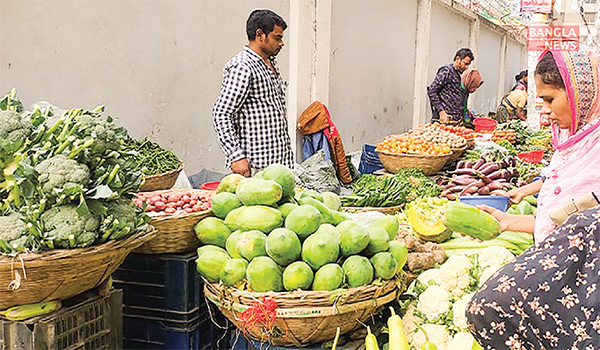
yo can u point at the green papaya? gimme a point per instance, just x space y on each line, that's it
233 272
282 175
286 208
304 220
256 217
253 191
326 217
332 200
471 221
311 193
224 202
337 217
229 183
213 231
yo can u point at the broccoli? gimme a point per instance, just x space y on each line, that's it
61 173
102 131
14 234
122 219
13 127
65 228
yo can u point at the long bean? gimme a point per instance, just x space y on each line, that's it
150 157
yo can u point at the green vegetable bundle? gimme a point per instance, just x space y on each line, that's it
64 180
388 191
150 157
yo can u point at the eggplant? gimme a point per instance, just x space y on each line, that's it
466 171
499 192
486 180
452 196
484 190
463 180
489 168
479 163
496 174
467 165
449 185
460 164
457 188
495 185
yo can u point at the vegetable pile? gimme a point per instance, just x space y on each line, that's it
64 180
433 133
266 237
150 157
170 203
507 134
461 131
437 299
401 144
480 177
388 191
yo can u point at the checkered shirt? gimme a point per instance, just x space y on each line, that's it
249 115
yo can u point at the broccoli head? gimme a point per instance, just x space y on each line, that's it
123 217
103 132
60 172
13 233
13 127
67 229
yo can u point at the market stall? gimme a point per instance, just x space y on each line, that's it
268 257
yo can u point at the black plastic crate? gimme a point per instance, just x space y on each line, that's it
85 322
160 286
143 333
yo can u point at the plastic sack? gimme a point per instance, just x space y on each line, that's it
317 173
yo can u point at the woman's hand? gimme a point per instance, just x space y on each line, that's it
517 194
503 218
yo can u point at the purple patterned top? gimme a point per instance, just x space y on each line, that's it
444 93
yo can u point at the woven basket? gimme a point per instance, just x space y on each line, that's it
175 232
429 164
62 273
456 153
305 317
385 210
162 181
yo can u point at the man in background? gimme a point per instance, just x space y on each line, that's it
444 93
249 115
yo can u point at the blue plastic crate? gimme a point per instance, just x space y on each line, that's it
369 160
160 286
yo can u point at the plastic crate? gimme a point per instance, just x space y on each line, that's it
160 286
369 160
85 322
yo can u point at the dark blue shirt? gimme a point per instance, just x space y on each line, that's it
444 93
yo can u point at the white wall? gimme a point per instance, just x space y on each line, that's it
372 69
516 62
488 64
157 65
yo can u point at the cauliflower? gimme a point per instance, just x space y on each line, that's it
13 233
488 272
60 172
433 302
459 315
461 341
436 333
431 276
495 255
102 131
13 127
66 229
454 274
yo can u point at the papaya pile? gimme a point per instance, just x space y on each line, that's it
266 237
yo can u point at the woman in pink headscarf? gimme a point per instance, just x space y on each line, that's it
549 296
569 84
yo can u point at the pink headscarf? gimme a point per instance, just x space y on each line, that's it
580 71
575 166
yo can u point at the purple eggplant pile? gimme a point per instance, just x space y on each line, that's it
480 177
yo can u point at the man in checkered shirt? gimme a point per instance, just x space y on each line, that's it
250 114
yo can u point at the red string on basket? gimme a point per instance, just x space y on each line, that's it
262 312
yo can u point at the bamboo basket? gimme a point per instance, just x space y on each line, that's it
304 317
175 232
385 210
62 273
162 181
457 153
430 165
